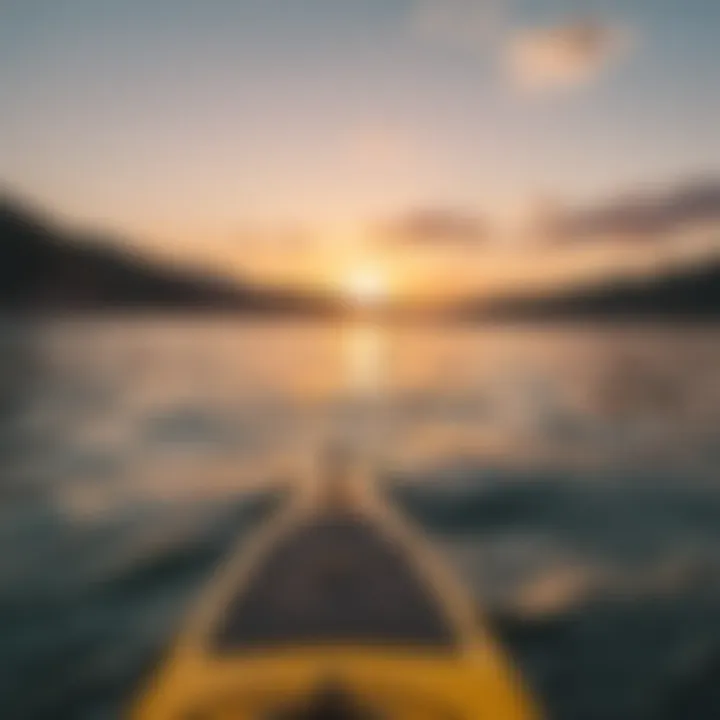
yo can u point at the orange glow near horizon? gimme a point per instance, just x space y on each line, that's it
365 285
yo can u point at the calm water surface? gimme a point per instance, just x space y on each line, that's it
571 475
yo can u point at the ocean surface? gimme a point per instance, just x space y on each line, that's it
570 473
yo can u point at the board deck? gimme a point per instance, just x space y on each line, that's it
337 603
335 580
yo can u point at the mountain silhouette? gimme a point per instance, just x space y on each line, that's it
47 268
684 293
44 267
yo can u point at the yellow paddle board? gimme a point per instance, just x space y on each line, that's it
336 609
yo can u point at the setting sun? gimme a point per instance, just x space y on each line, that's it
365 286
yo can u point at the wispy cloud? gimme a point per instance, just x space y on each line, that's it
564 55
667 213
548 57
642 216
437 227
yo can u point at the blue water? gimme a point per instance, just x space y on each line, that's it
570 474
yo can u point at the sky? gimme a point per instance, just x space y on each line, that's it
448 145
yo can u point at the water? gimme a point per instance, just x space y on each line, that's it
570 474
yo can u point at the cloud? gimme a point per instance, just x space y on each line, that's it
437 227
643 216
565 55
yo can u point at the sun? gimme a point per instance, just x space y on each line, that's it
365 286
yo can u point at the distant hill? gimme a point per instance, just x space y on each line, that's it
46 268
43 267
686 293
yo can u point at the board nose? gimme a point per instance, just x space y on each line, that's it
339 468
342 479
